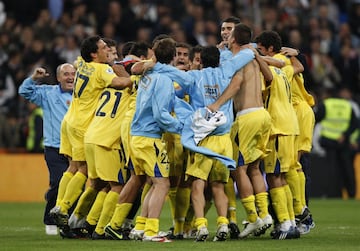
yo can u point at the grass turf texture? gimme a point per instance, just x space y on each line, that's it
337 228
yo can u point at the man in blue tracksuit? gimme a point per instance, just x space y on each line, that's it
154 104
54 100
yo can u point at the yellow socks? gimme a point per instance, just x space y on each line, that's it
121 211
289 199
292 178
302 181
262 204
151 227
249 206
65 179
200 222
278 198
73 191
189 220
172 200
181 207
95 211
140 223
85 202
222 220
107 211
230 193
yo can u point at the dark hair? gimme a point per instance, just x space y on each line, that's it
125 49
183 45
210 56
159 37
269 38
140 49
232 19
88 46
196 49
165 50
242 34
110 42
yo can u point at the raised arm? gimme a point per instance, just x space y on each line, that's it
30 90
274 61
298 67
292 53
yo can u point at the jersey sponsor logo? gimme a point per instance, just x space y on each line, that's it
212 91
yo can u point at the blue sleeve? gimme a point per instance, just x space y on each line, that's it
30 91
181 77
161 106
225 54
242 58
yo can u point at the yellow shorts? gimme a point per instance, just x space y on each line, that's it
176 153
105 163
125 137
306 121
283 154
65 146
73 138
149 156
210 169
250 134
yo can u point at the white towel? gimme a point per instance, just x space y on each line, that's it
204 122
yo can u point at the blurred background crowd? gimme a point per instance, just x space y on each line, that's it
49 32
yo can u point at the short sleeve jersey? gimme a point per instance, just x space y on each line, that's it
91 79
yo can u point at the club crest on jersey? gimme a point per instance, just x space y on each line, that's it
109 70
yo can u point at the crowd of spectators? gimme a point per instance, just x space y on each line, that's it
48 32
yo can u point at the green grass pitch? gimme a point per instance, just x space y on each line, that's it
337 228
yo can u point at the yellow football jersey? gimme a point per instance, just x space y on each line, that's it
104 128
91 79
278 103
298 90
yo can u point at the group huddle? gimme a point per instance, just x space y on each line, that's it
171 121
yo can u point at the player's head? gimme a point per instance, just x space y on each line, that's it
65 74
182 55
268 42
141 50
194 56
113 54
159 37
210 56
165 50
241 34
94 49
126 47
227 26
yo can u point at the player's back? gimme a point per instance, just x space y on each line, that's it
91 79
298 91
250 94
278 103
105 126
